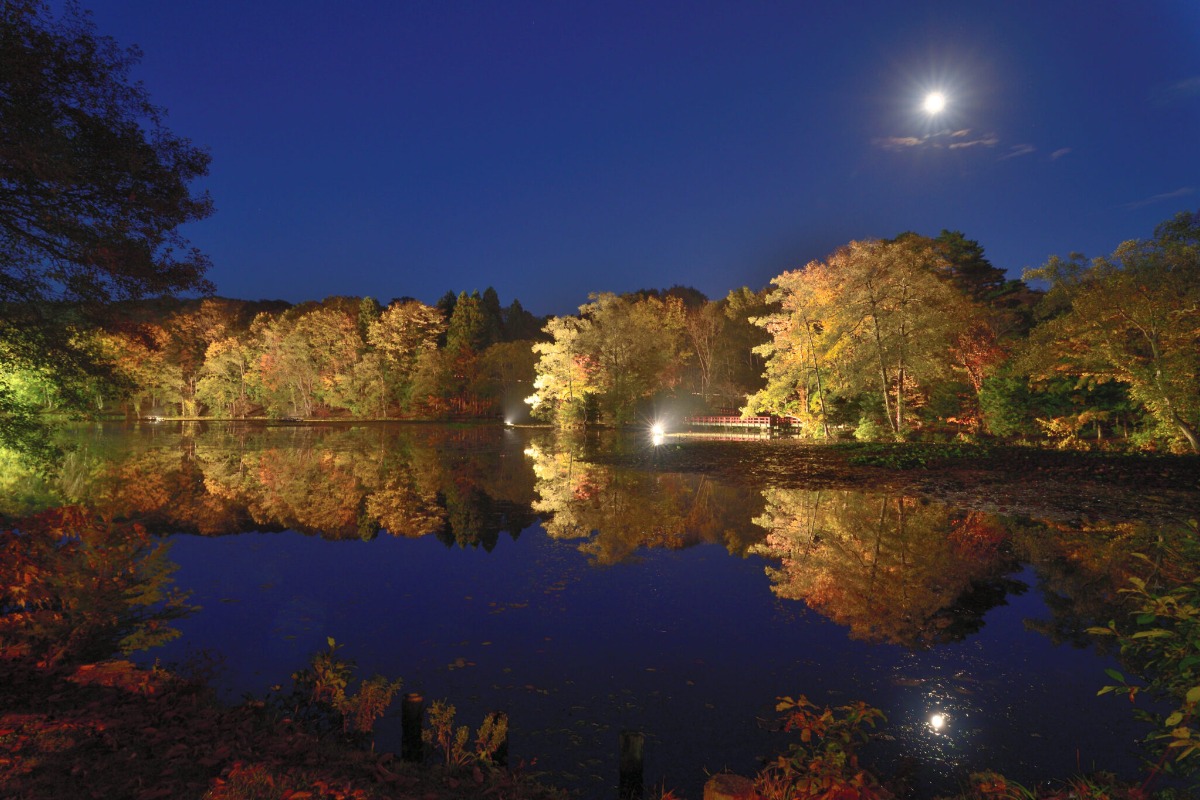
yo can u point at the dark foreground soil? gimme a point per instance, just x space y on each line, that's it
1062 486
111 730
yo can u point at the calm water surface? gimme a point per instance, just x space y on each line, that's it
507 569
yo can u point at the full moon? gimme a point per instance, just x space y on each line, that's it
934 102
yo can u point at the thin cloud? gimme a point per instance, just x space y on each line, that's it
1182 191
1178 91
898 143
987 141
1018 150
937 141
1059 153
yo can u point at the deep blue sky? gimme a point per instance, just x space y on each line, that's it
552 149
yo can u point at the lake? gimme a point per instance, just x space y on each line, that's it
519 570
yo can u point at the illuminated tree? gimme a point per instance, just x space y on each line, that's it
224 378
305 359
473 326
190 332
637 347
93 191
705 326
565 381
404 334
1133 317
876 318
147 377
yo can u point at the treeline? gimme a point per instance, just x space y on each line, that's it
344 356
909 337
912 337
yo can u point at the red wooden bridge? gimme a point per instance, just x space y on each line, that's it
759 423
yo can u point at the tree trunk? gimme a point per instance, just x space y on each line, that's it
1188 431
817 372
887 404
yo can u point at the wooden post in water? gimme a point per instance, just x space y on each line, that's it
411 712
501 754
633 745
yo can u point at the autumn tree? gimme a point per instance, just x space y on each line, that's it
305 359
619 351
223 382
705 327
93 191
147 377
566 384
404 334
1132 317
875 319
637 347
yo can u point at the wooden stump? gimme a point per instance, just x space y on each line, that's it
726 786
411 712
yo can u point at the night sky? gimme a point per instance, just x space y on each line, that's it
553 149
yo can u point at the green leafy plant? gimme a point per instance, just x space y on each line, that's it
1163 645
823 764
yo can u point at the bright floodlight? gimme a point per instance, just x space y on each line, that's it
935 102
937 721
658 433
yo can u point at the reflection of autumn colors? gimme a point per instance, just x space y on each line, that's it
458 483
617 511
77 587
1082 570
892 569
352 483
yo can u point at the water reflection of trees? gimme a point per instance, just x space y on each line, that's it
467 485
1082 569
617 511
362 481
77 587
891 569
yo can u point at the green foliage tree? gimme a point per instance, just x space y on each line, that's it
93 191
968 267
471 328
1132 317
519 324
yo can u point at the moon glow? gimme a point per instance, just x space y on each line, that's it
934 102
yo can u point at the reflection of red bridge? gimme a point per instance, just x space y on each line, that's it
758 423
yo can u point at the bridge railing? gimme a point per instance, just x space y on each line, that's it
732 422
